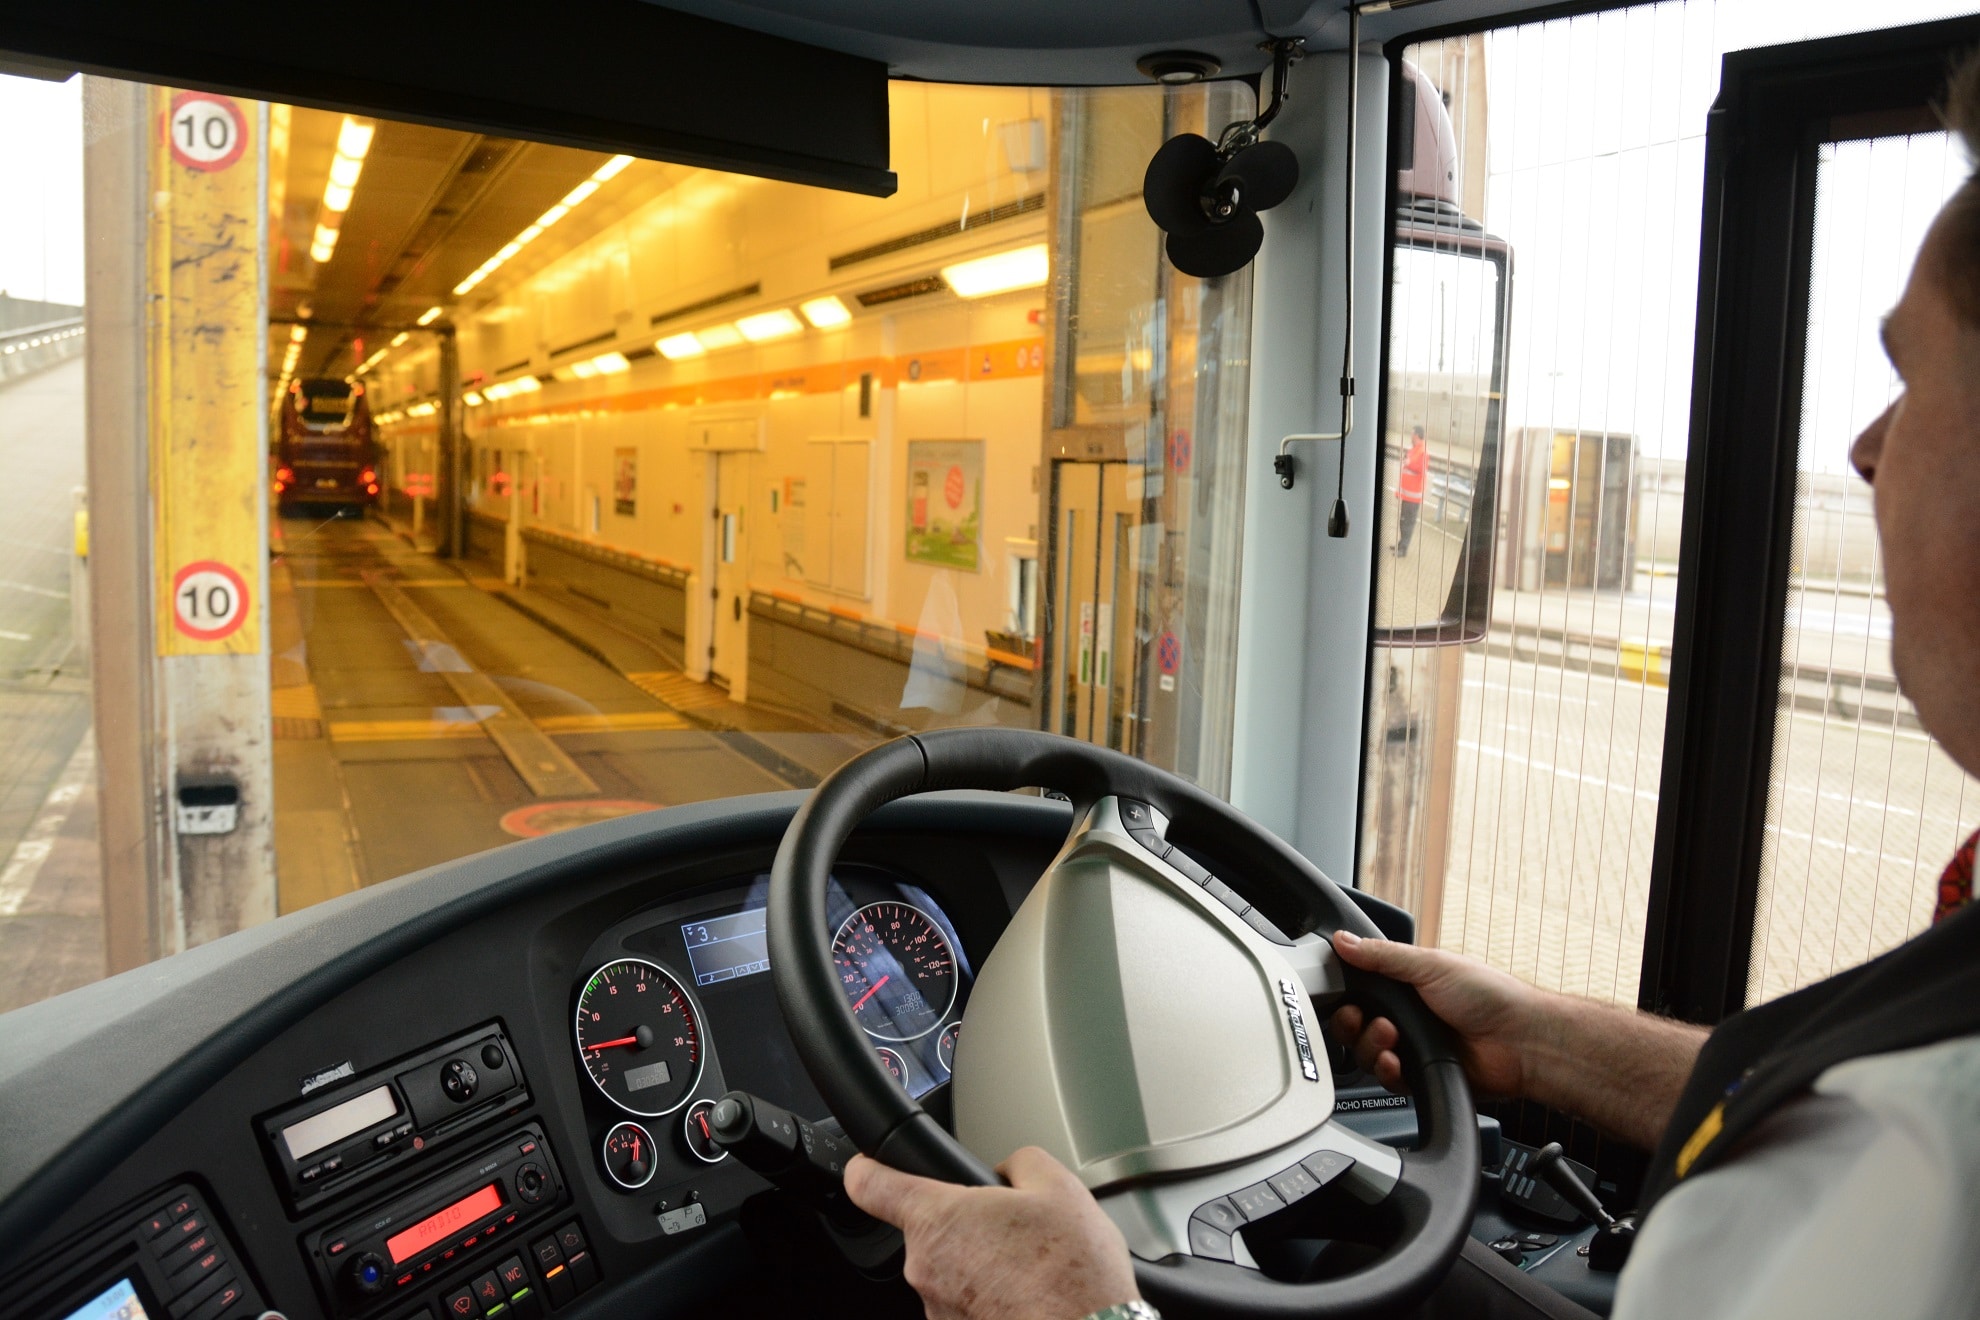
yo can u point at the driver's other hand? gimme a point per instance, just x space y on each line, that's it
1039 1249
1491 1012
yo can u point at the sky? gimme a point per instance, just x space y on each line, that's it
41 219
1599 194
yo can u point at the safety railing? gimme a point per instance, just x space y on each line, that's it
31 348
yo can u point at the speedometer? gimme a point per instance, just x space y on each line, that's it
897 970
637 1037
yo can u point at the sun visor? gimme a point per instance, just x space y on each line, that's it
603 75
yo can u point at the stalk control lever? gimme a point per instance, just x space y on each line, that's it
1610 1247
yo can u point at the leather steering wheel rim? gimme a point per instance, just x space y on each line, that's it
1437 1194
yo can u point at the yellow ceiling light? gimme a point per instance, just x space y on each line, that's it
344 170
510 388
400 338
577 371
826 312
676 347
1000 272
472 398
336 199
298 333
717 337
763 327
543 222
323 244
611 364
354 138
422 410
429 316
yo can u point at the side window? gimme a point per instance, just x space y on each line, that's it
1530 510
1863 808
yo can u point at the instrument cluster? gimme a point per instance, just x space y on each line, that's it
678 1007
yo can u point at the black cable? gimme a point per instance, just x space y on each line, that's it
1337 521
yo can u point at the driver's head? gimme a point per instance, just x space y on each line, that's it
1923 456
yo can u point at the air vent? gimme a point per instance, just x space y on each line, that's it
689 309
896 292
1008 211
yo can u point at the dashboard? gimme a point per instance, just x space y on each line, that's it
479 1092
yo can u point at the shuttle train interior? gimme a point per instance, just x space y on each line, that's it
1022 520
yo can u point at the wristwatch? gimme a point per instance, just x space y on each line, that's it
1134 1310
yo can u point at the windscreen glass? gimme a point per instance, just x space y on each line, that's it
488 489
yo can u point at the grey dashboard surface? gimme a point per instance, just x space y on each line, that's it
88 1077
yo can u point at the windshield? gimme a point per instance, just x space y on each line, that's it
677 485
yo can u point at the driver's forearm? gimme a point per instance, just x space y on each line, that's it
1618 1068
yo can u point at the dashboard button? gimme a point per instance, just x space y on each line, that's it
196 1269
491 1056
1208 1241
215 1306
570 1239
557 1281
460 1304
513 1274
584 1271
488 1291
182 1207
197 1297
546 1253
531 1182
524 1304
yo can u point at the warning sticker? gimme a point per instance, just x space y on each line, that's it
209 600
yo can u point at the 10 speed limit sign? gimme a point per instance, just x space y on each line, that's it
206 132
209 600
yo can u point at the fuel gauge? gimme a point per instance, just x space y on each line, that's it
628 1153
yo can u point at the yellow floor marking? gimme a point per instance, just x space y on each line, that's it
624 722
295 703
678 690
401 730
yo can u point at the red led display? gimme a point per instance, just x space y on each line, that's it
434 1228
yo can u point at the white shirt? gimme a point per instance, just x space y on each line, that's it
1861 1200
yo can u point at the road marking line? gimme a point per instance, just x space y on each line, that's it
17 880
34 590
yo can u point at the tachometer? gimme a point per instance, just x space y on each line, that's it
897 969
637 1037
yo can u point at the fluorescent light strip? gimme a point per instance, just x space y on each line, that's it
353 141
429 316
1000 272
610 169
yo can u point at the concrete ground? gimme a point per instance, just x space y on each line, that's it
51 935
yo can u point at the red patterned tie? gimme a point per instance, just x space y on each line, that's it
1956 885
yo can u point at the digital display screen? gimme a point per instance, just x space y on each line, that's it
653 1074
117 1302
439 1227
724 948
334 1124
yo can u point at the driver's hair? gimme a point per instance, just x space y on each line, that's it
1961 114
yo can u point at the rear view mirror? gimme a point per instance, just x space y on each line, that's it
1441 438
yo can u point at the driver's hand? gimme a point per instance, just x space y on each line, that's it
1491 1012
1039 1249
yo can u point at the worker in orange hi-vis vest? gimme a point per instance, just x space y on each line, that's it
1409 490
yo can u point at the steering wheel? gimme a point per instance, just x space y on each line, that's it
1149 1024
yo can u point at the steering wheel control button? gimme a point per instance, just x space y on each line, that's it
1226 895
1221 1215
1327 1165
1208 1241
1258 921
1257 1201
459 1080
1294 1184
1190 868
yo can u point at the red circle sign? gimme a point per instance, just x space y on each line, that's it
952 489
209 600
206 132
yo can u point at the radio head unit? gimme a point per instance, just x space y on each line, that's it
346 1135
